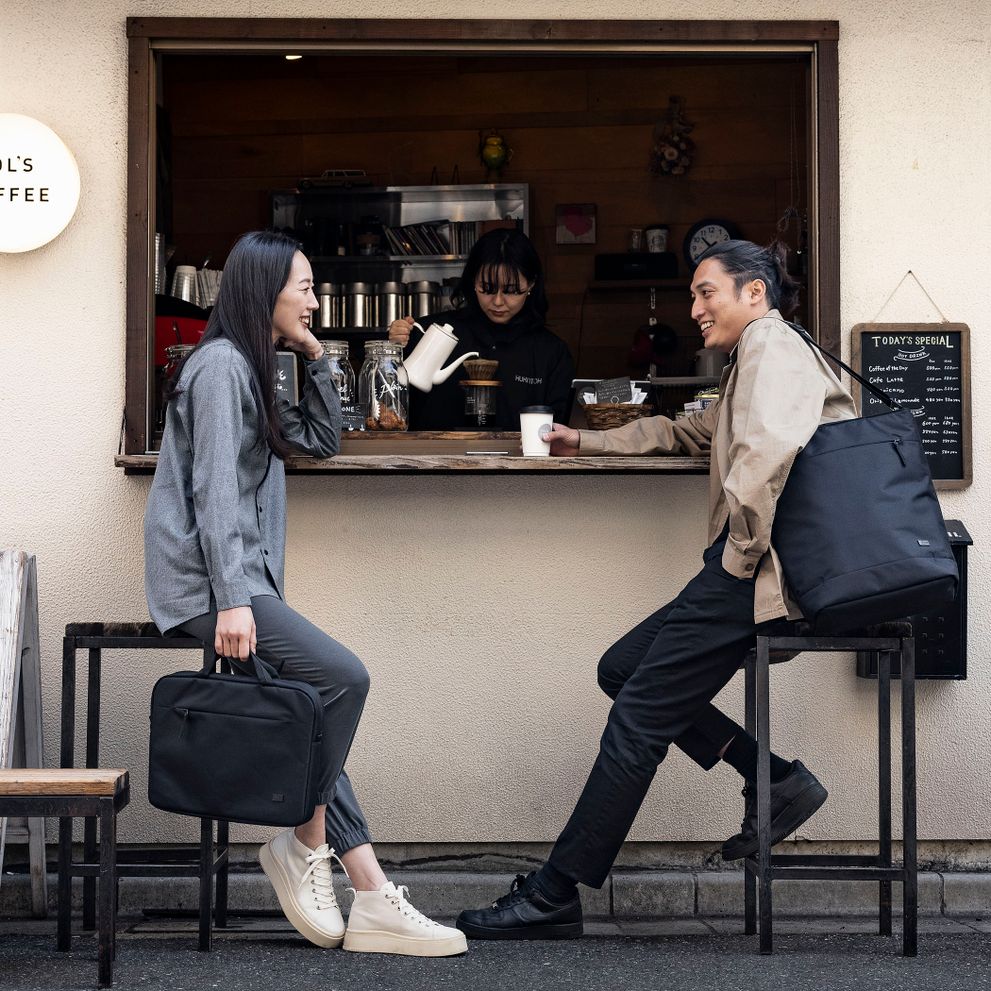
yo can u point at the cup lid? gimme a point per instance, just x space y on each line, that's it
537 409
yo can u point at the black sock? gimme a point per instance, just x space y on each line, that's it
554 885
741 754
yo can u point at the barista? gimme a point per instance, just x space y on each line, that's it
501 314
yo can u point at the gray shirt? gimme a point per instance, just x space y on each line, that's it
215 524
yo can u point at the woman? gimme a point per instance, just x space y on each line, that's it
502 314
214 546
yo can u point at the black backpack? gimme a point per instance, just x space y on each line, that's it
858 527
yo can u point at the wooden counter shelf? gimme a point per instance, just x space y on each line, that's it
441 453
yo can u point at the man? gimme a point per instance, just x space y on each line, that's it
664 673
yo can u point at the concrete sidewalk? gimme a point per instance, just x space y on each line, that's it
642 894
700 954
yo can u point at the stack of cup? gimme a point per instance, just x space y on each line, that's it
160 259
184 284
207 286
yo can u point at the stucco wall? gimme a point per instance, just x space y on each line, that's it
471 600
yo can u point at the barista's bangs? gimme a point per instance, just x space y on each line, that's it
489 276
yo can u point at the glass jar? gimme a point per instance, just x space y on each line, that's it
383 388
343 375
174 355
340 368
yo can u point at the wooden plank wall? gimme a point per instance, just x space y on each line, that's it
580 129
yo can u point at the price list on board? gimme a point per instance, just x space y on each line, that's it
924 372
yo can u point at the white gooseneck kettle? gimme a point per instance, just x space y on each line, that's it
424 366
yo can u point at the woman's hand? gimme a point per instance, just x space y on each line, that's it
399 330
235 636
307 345
564 441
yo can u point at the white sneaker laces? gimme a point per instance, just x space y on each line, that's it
319 876
397 897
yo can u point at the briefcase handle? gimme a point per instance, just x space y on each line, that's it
866 383
264 671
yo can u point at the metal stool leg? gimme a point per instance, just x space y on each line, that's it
220 904
764 790
884 786
750 724
92 760
911 894
67 758
108 883
63 937
206 883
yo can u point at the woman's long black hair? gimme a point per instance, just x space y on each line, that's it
746 261
256 271
513 253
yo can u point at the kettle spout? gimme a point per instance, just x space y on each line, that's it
443 374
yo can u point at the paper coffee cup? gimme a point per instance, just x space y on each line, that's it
536 422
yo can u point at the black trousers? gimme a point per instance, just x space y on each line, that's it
662 677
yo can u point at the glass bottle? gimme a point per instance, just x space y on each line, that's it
383 388
343 376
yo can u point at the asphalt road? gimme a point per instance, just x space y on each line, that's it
956 956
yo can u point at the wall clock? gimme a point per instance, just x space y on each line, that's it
704 235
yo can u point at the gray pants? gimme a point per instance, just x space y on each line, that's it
300 651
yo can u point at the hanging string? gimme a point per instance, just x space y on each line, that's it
924 293
792 211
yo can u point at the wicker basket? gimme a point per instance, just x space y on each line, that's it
604 416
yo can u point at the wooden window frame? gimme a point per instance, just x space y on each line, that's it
146 36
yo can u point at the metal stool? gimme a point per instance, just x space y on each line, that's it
882 642
203 861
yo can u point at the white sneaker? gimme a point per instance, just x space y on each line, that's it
383 921
302 880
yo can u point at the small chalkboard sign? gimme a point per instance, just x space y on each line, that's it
286 384
614 390
926 368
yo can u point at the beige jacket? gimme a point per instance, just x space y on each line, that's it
773 395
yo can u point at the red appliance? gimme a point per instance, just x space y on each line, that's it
175 330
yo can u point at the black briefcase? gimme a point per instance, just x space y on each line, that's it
232 747
858 527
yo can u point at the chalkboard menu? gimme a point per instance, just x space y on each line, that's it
925 368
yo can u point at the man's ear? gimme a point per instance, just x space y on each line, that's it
756 291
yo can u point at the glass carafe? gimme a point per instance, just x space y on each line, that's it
383 389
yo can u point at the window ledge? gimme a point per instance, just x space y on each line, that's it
442 453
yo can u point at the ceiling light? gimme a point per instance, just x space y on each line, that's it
293 58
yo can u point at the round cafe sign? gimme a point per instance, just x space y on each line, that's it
39 184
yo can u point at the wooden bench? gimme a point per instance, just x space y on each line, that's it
93 793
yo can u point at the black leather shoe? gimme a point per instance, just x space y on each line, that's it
523 914
794 799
